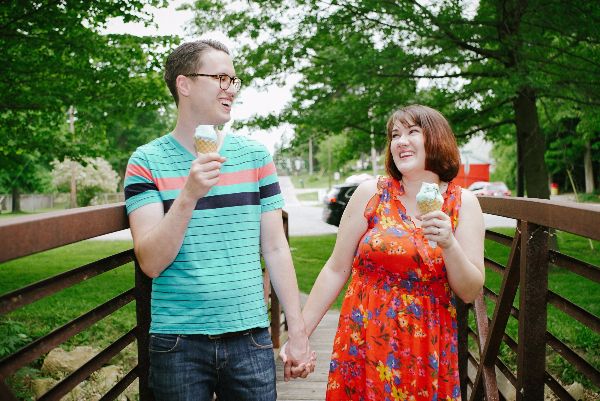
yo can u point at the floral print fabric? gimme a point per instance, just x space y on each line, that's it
397 334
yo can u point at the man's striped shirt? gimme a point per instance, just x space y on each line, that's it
214 285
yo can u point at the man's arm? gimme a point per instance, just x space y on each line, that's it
157 237
277 256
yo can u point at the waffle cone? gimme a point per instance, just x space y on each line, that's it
204 145
429 205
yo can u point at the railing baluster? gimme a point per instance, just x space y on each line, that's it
508 290
487 370
143 288
531 363
462 319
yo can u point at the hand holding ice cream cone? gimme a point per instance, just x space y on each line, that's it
429 199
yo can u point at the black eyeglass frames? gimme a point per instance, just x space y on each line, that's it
225 80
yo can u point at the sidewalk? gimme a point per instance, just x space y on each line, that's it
314 386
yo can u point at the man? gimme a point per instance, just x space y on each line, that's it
199 222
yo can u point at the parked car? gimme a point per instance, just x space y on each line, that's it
338 196
484 188
335 202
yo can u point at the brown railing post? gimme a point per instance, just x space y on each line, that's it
531 363
143 288
5 392
462 319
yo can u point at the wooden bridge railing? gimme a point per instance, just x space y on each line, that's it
527 271
25 236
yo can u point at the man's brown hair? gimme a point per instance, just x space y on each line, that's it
187 59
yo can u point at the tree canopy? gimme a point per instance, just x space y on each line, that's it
56 57
487 66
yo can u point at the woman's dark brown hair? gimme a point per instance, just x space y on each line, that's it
442 155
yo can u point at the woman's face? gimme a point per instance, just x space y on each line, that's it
408 147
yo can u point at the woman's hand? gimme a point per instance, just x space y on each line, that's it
437 227
295 370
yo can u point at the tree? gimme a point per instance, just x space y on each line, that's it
330 152
94 176
488 68
55 58
505 158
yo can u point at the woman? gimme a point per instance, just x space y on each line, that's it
397 335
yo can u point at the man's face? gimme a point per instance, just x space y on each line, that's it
210 104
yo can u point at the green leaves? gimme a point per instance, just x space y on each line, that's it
361 59
55 57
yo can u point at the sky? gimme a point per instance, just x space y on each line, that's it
249 102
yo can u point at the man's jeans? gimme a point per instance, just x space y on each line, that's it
194 367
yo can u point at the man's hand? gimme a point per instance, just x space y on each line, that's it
293 367
204 174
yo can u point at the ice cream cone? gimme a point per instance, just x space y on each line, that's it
205 145
432 205
205 139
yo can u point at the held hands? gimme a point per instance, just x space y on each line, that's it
437 227
204 174
297 363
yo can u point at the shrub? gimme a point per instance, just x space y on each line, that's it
92 178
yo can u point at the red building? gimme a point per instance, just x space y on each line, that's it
472 168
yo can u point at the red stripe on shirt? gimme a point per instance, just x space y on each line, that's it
266 170
170 183
134 170
237 177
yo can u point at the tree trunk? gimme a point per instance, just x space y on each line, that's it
16 199
310 156
588 167
532 143
73 197
520 174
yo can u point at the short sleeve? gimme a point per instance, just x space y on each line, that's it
140 187
268 183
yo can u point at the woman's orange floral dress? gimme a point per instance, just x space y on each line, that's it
397 336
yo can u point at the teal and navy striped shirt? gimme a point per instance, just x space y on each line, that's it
214 285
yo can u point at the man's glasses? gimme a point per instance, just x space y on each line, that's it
225 80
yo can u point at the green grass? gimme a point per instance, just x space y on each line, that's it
7 215
47 314
589 198
310 254
318 180
39 318
308 196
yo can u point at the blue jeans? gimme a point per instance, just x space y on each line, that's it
195 367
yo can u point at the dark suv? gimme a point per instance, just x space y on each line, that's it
335 202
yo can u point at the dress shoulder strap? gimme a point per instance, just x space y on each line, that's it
452 202
383 184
